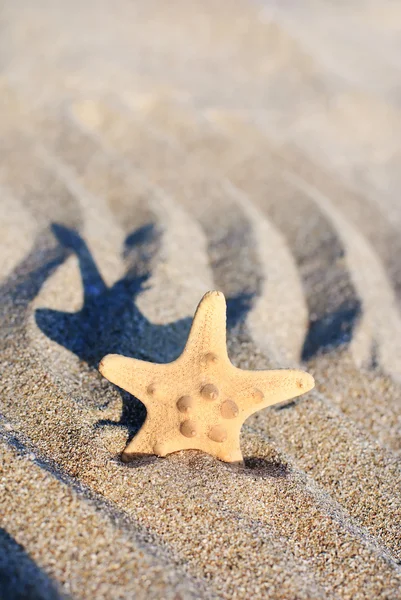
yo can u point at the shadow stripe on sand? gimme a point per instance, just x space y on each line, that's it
135 202
67 427
294 214
343 276
101 525
218 209
125 129
340 303
378 411
56 443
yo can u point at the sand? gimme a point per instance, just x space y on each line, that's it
152 151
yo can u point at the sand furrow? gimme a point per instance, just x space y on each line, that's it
357 443
15 217
268 494
369 218
59 212
130 564
332 316
142 210
187 505
370 279
78 456
37 253
119 135
339 280
25 175
119 207
67 440
218 208
175 510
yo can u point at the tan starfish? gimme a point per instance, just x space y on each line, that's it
200 400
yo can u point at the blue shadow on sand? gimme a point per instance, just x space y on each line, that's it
331 331
110 321
20 576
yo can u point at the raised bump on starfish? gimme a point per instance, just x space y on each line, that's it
277 385
200 400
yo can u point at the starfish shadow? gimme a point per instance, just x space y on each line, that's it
110 321
252 466
265 468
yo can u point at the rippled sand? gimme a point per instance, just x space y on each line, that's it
149 152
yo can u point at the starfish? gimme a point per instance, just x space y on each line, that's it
200 400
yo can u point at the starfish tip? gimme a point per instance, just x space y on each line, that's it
307 383
304 382
107 363
213 296
126 457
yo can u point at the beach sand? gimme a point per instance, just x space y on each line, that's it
149 152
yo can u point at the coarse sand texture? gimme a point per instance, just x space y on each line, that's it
151 151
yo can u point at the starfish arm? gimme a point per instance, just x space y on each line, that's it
259 389
230 451
140 378
142 443
207 336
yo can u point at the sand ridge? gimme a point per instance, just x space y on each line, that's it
149 154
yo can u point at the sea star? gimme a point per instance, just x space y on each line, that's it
200 400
